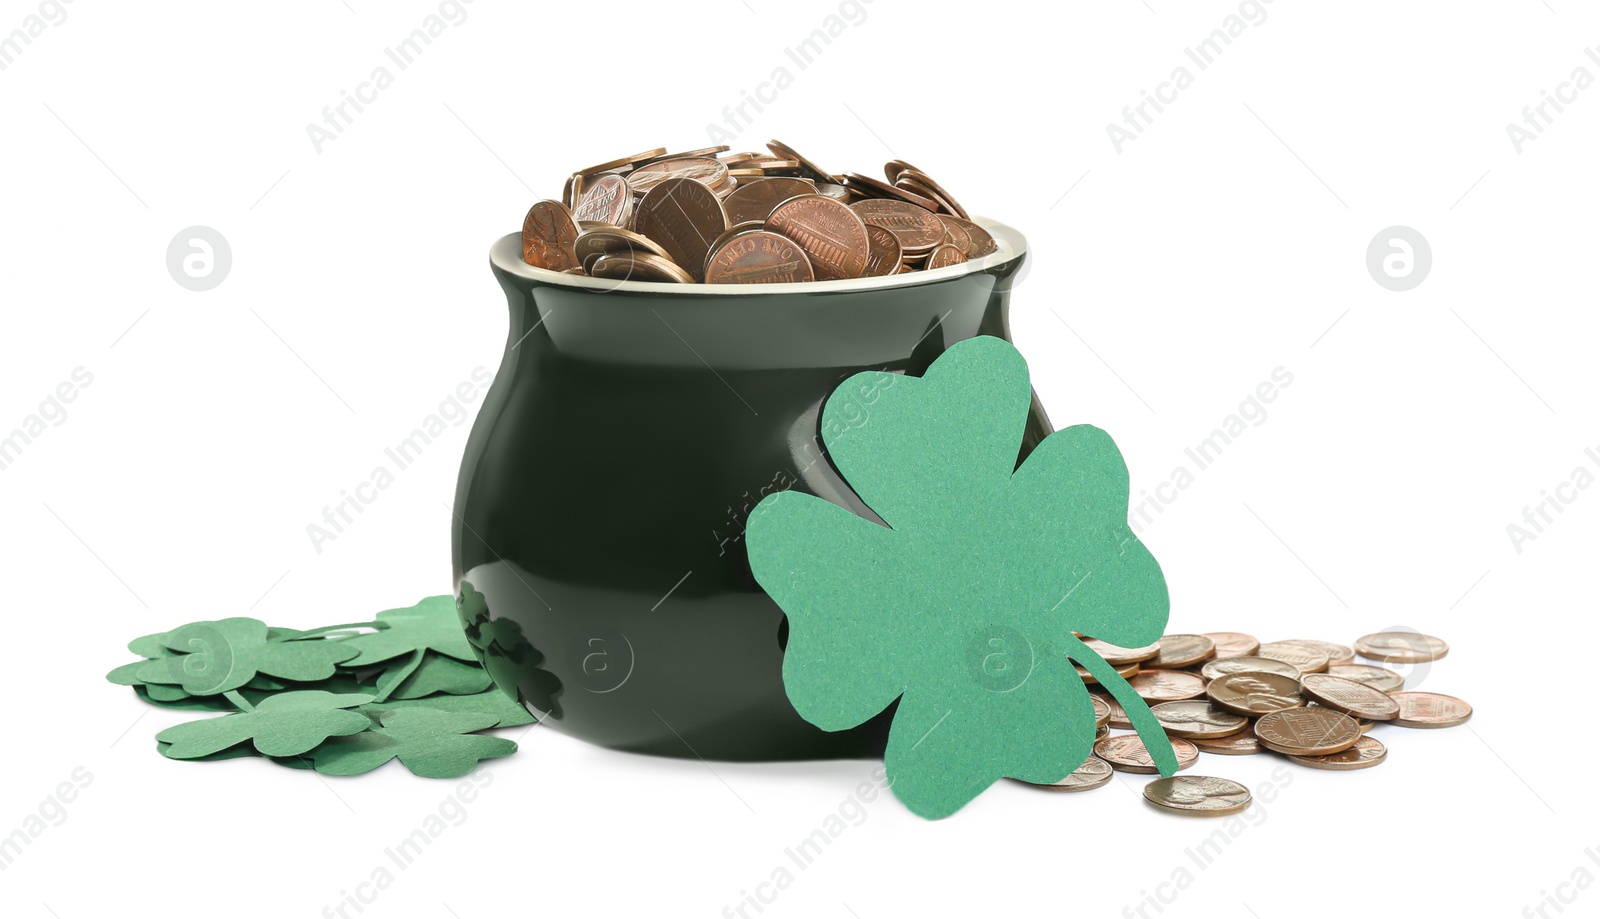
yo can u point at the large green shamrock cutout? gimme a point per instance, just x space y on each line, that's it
964 605
223 655
283 725
435 744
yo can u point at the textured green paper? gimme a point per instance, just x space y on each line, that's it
432 673
225 654
430 743
431 625
507 713
963 606
284 725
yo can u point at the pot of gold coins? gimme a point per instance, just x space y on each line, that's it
677 323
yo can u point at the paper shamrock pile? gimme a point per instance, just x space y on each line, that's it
963 602
342 700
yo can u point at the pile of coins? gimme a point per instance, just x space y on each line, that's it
1228 694
714 217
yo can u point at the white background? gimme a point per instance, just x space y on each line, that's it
1167 281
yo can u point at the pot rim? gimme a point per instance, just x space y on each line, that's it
506 255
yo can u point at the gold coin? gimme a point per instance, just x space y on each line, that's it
603 240
1198 795
1234 644
1358 700
1307 731
548 236
1430 710
1127 753
1401 647
1254 693
1365 753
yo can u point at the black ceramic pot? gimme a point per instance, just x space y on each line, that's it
599 518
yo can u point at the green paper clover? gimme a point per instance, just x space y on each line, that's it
507 713
223 655
427 673
431 625
433 744
964 605
284 725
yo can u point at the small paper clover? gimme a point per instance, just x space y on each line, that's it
963 606
431 625
434 744
223 655
284 725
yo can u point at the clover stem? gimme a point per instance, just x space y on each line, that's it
318 633
1150 730
238 700
388 684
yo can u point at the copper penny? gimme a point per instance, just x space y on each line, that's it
638 266
758 257
1303 658
1178 651
1357 700
1376 677
1307 731
1094 773
624 162
1116 655
1197 718
924 184
1123 670
1167 685
702 153
1127 753
1232 644
944 256
1254 693
784 151
982 242
1243 743
1337 653
684 217
868 187
606 199
1219 668
1118 718
1430 710
1365 753
1401 647
756 200
707 172
548 236
1197 795
1102 712
883 252
830 233
918 230
601 240
955 234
